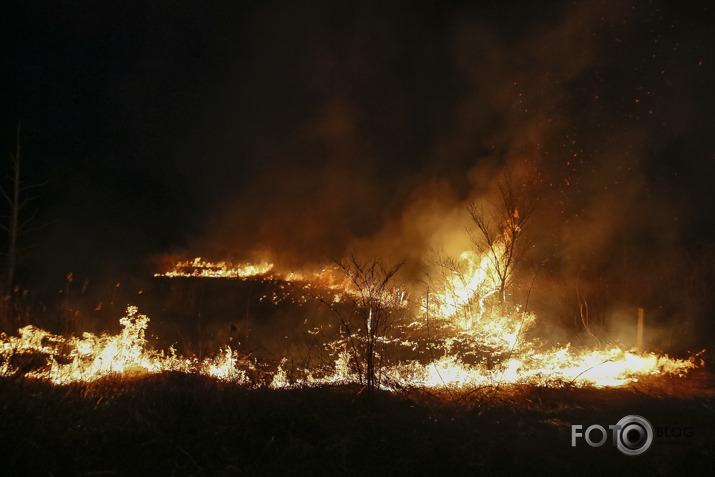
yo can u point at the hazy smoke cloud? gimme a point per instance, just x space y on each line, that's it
398 117
389 111
302 131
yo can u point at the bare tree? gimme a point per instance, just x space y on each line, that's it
500 231
373 300
17 221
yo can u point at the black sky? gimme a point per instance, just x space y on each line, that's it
303 127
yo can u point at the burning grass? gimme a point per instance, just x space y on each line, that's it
205 269
110 405
459 334
39 354
461 389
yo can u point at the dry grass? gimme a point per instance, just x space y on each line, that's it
176 424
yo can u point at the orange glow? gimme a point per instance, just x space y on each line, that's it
200 268
93 357
480 343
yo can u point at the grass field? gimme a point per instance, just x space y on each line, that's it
177 424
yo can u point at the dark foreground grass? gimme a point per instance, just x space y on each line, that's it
176 424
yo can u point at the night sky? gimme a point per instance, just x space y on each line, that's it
302 129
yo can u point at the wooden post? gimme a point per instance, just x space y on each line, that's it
639 332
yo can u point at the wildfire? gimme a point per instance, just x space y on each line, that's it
204 269
465 284
327 279
39 354
612 367
479 343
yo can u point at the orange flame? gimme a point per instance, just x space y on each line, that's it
456 304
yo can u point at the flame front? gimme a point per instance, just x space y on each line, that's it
39 354
205 269
457 304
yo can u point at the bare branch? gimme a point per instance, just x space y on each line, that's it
374 299
498 229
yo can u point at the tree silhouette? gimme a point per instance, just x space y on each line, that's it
500 231
372 302
17 221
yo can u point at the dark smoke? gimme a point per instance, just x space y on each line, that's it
302 131
407 114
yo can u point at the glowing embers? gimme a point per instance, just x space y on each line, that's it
200 268
39 354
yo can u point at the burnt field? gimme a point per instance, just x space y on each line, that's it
178 424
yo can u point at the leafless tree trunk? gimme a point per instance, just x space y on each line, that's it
12 227
16 201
